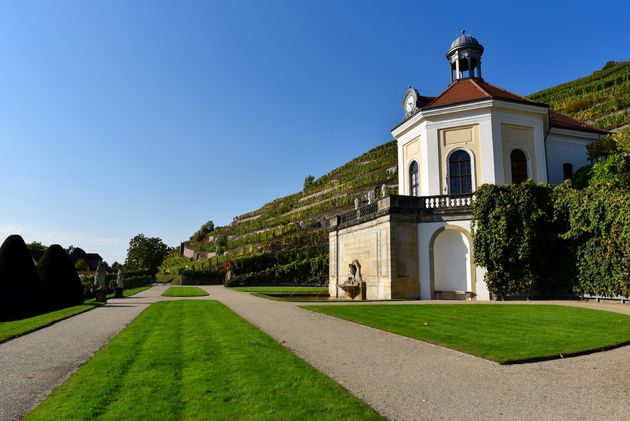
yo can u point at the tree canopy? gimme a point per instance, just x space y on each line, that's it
145 253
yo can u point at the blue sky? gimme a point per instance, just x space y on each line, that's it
127 117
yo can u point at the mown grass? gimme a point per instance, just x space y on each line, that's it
288 290
184 292
15 328
198 360
299 297
506 334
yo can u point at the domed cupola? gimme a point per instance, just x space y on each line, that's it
465 55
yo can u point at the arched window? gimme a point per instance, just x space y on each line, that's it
460 178
518 161
413 179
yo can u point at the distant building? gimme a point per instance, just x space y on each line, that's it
91 259
417 244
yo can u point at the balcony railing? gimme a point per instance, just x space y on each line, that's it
420 204
440 202
358 213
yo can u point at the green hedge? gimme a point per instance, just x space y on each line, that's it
313 271
202 277
133 279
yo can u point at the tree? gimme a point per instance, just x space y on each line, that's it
81 265
36 245
116 266
20 287
308 181
61 283
145 253
205 229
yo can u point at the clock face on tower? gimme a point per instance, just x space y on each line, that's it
410 103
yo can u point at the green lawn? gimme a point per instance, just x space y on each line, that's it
288 290
198 360
296 297
508 333
13 329
184 292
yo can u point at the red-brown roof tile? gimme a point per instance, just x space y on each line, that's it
562 121
470 90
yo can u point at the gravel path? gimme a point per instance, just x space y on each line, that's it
405 379
401 378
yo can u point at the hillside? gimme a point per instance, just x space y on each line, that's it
294 226
296 221
601 99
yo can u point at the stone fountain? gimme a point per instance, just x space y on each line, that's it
354 285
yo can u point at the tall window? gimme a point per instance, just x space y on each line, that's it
413 179
460 179
518 161
567 171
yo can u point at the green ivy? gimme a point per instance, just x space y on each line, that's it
539 238
517 239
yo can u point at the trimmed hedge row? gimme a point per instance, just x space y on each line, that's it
312 271
202 277
135 279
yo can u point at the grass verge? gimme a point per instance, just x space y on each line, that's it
15 328
287 290
184 292
506 334
198 360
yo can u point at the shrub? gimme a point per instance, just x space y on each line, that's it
20 287
61 283
598 226
202 277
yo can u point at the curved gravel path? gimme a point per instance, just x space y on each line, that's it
406 379
400 377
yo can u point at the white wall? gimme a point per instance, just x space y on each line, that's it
566 147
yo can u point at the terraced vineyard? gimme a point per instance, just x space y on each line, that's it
294 227
601 99
298 221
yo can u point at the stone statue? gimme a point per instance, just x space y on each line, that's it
100 277
383 190
355 272
119 284
356 203
120 279
370 197
100 283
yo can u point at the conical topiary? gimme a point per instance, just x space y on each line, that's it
62 285
20 288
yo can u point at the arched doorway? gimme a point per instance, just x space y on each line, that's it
452 271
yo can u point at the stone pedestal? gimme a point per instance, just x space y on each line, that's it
118 292
101 296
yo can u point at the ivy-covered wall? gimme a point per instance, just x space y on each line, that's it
543 239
